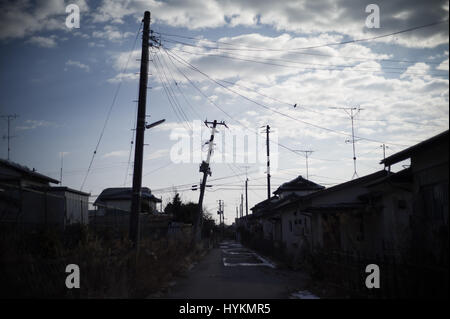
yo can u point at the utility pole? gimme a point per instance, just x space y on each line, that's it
223 219
351 112
61 172
205 169
384 151
242 205
306 156
141 125
221 215
8 137
268 160
140 128
246 196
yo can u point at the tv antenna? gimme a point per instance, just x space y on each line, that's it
351 112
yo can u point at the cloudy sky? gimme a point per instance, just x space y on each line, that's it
244 62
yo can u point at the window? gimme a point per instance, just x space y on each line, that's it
290 226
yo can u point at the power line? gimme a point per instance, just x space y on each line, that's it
322 67
348 41
177 57
177 103
311 109
176 107
132 139
244 48
110 108
231 117
221 109
179 89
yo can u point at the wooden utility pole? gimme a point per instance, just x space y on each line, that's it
242 205
246 196
140 128
268 160
205 169
8 137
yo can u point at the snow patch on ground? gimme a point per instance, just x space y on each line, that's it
237 250
303 294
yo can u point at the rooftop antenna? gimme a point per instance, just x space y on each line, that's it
307 152
61 172
9 117
351 112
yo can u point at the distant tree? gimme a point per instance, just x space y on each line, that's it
180 211
186 212
209 225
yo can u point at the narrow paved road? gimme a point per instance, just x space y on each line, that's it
233 271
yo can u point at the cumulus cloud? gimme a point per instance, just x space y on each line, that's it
402 105
111 33
124 77
33 124
23 18
120 153
156 154
77 64
299 16
443 66
43 42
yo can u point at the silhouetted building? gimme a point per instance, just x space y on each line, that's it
27 199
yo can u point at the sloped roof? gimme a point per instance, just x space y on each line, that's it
265 204
360 180
402 155
298 184
124 193
26 172
69 190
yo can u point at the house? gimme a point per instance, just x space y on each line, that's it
76 204
113 208
397 219
269 219
429 244
117 200
429 169
299 186
28 199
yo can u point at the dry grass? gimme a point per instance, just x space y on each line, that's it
33 265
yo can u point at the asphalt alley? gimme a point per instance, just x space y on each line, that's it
233 271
